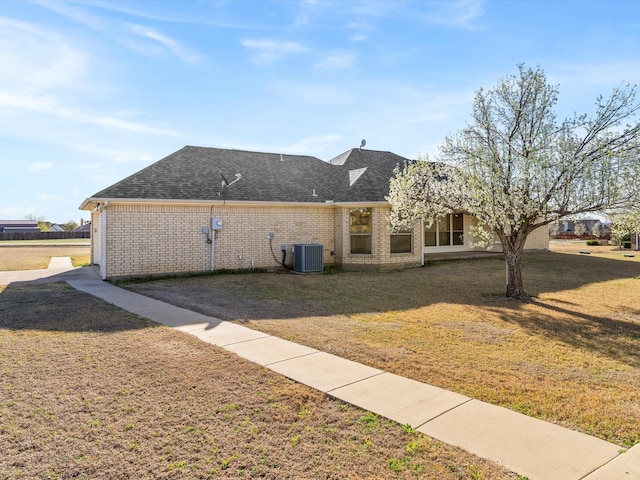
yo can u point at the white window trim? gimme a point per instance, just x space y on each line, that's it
444 248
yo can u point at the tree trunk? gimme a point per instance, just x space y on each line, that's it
513 257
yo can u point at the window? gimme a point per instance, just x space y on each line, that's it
445 231
401 241
360 228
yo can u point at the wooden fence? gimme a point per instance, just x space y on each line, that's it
42 235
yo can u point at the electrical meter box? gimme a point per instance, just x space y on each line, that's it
216 224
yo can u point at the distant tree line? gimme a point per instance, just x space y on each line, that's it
48 226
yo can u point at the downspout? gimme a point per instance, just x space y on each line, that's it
213 238
103 241
422 242
213 249
204 250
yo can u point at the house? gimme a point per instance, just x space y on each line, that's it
567 228
19 226
84 226
202 209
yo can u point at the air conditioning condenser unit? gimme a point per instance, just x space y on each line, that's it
308 257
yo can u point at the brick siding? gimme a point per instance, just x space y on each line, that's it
151 239
155 239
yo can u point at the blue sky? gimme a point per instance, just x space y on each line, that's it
93 91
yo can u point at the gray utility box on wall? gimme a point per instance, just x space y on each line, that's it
308 257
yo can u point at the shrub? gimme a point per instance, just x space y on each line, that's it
593 242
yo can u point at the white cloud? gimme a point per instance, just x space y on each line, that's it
176 48
123 157
216 14
336 62
313 92
307 11
309 145
607 74
40 69
268 51
361 31
49 104
66 10
12 212
34 59
580 83
39 166
49 196
121 31
458 13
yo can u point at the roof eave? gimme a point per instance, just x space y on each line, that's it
91 203
362 204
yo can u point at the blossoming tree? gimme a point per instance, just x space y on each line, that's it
625 223
515 168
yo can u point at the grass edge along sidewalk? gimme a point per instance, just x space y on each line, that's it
90 389
546 451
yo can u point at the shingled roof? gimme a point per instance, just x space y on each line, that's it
19 226
196 173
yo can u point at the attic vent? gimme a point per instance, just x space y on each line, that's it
354 175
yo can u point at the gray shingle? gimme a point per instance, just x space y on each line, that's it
193 173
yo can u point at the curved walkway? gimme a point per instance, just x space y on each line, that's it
533 448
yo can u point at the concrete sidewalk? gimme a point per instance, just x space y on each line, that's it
59 269
529 447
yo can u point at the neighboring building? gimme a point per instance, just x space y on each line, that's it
19 226
85 226
208 208
566 229
569 226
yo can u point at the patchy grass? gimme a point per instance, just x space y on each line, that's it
571 357
90 391
38 256
579 247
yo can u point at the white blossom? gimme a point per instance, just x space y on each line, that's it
515 168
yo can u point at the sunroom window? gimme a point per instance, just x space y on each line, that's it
445 231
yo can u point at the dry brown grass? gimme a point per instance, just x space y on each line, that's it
38 256
571 357
90 391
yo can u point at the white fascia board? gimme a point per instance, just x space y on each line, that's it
89 202
362 204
